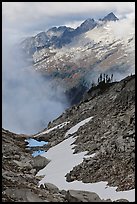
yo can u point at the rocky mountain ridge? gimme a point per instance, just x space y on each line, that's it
59 36
74 58
110 17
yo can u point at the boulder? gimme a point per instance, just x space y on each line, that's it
51 187
82 196
39 162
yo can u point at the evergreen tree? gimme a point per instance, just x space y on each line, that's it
101 77
104 78
98 80
93 84
107 78
111 77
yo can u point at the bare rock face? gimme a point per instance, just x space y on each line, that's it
110 134
82 196
24 195
19 183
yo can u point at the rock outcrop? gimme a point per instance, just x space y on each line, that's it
82 196
110 135
19 183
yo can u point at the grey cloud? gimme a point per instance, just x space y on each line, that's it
28 100
30 16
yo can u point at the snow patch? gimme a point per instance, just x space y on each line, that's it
49 130
63 160
77 126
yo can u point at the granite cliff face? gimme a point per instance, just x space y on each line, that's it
110 136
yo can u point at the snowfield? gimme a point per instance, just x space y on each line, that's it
63 160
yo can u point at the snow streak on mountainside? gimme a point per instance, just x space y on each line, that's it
55 171
74 58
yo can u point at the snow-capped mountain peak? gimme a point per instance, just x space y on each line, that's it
110 17
75 57
88 24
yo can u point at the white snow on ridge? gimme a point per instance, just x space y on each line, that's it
49 130
63 160
77 126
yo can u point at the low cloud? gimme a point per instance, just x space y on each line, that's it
28 100
124 27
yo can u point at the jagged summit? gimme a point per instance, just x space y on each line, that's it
87 25
59 36
59 28
88 21
110 17
56 32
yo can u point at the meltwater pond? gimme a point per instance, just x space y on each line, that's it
38 152
35 143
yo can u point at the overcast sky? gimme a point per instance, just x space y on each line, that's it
28 18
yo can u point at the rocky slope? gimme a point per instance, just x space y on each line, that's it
19 183
110 135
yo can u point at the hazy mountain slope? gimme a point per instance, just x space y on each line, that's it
74 58
97 51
